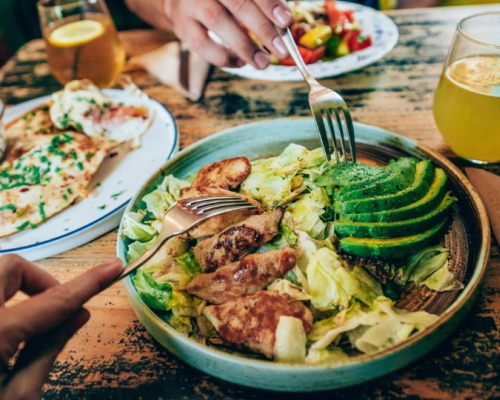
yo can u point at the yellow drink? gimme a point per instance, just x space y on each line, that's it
99 56
467 107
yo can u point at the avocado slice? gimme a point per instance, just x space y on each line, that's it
400 176
383 230
427 203
424 175
349 174
390 248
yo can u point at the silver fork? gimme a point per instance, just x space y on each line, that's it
182 217
325 104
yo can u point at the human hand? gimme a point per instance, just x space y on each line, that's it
42 324
191 20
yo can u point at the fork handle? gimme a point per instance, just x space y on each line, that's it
131 267
287 37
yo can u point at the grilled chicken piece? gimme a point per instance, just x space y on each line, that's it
236 241
225 174
216 224
252 320
244 277
215 180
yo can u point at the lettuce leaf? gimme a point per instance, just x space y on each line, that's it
161 295
156 295
161 199
429 267
278 180
137 249
291 340
331 285
370 329
180 323
189 264
284 286
322 356
307 212
134 229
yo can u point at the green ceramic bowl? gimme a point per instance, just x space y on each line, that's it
468 239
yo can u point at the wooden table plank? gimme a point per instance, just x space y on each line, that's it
114 357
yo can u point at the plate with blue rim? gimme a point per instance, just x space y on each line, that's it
109 191
468 239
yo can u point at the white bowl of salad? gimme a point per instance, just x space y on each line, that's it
333 38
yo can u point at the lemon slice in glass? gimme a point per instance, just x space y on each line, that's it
76 33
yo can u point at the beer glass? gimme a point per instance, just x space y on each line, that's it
467 99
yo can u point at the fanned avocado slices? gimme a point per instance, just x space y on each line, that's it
400 175
423 178
350 174
390 248
388 230
427 203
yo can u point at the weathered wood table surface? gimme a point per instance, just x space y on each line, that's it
115 357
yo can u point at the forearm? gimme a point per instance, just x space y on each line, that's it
154 12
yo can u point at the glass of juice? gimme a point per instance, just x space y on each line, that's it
467 99
81 41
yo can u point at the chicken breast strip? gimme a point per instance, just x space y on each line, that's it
242 278
235 242
252 320
217 179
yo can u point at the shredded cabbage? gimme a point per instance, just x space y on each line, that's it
371 329
331 285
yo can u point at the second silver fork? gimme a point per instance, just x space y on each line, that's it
330 111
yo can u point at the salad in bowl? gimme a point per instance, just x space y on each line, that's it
323 32
314 274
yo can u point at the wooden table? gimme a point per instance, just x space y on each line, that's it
114 357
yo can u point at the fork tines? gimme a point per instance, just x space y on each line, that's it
205 206
338 123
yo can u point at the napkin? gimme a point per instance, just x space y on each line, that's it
488 186
175 66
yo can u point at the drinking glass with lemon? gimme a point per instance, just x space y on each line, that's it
467 100
81 41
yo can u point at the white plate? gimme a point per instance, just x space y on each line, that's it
118 178
380 27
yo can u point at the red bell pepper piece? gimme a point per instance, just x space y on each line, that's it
305 53
317 54
336 18
350 15
358 40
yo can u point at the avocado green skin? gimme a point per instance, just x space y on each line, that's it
423 178
337 194
386 230
400 176
350 174
427 203
390 248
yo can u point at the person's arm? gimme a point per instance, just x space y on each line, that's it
42 324
191 20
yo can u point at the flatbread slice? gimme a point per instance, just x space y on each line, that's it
44 175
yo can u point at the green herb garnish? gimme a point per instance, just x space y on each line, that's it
23 226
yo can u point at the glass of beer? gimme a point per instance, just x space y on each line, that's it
467 99
81 41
